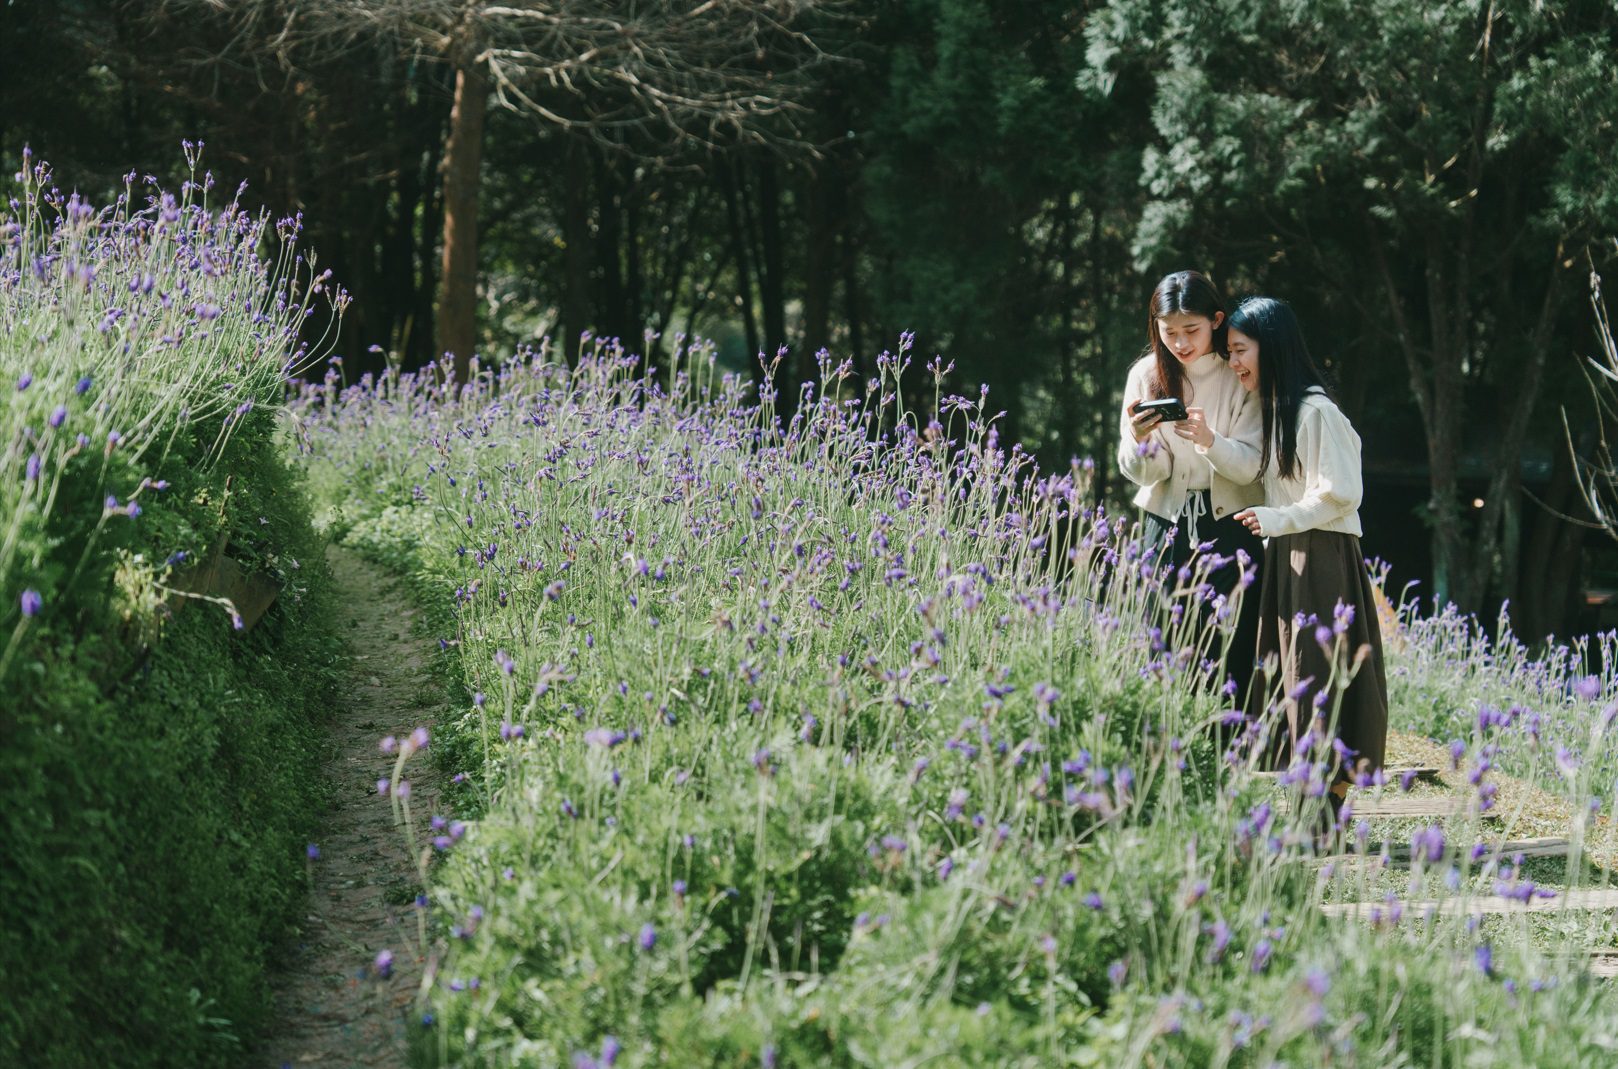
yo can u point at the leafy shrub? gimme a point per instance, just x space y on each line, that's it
159 776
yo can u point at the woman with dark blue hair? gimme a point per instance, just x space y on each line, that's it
1317 625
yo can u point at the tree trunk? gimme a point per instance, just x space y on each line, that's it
463 158
1101 410
1066 294
423 332
397 263
354 260
851 303
772 288
744 272
819 270
673 277
609 255
634 315
1446 330
576 254
400 272
1515 408
1443 450
1550 572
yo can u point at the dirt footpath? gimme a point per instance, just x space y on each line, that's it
332 1007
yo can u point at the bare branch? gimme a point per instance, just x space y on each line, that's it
649 77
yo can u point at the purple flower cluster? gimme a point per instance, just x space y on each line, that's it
150 314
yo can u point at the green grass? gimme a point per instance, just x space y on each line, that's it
812 634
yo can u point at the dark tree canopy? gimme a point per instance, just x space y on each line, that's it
1429 183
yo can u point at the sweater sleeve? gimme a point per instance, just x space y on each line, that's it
1329 452
1236 455
1147 462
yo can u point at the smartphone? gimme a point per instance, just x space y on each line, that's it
1169 409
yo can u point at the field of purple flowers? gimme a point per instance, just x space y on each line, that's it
827 732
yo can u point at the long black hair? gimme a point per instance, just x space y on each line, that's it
1286 372
1188 293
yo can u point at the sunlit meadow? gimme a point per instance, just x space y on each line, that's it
814 730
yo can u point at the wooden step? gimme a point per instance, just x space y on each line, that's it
1406 805
1392 776
1599 898
1541 846
1399 853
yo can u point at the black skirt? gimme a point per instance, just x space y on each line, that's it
1172 542
1312 580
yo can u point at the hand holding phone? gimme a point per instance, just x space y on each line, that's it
1194 428
1168 409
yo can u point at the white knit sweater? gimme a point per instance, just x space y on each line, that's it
1166 466
1325 493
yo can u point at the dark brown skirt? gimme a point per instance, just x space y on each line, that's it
1312 574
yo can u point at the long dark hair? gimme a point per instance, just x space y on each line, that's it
1188 293
1286 372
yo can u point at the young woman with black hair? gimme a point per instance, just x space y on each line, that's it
1197 473
1317 612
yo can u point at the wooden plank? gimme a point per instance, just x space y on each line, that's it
1391 775
1604 963
197 577
251 593
1406 805
1602 898
1542 846
1399 853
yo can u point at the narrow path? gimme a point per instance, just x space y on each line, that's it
331 1007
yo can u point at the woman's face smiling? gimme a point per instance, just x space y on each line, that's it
1243 358
1187 335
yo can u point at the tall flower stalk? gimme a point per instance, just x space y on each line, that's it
125 328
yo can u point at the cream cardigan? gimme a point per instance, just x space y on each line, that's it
1325 493
1164 465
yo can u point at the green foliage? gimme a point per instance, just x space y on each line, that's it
157 802
999 198
1428 183
160 772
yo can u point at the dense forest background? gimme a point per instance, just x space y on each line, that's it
1431 183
